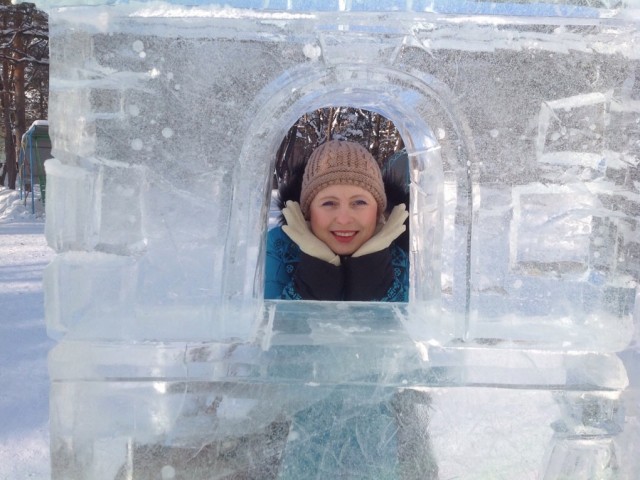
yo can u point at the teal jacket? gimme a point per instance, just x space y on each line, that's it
291 274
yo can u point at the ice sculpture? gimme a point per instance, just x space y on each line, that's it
516 356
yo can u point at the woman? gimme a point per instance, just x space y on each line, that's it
336 243
342 241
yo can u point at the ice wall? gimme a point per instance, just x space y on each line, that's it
515 356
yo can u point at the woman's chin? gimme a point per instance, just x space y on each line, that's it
343 250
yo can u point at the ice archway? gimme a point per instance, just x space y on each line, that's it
414 102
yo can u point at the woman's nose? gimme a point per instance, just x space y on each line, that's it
343 216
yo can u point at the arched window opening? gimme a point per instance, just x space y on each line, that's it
380 138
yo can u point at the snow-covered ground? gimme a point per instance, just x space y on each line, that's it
24 383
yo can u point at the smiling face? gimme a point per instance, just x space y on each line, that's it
343 217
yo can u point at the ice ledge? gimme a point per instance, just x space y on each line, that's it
560 8
374 364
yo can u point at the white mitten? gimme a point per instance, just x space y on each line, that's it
298 231
387 234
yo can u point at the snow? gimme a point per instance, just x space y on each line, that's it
24 382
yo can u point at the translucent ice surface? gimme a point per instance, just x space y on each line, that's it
515 357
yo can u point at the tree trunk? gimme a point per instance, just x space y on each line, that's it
11 167
399 141
375 148
18 89
3 175
331 113
285 159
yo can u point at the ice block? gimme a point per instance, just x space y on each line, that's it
515 355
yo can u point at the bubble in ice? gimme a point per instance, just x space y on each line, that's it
134 110
311 51
167 132
441 133
494 133
138 46
176 86
142 54
136 144
517 284
160 387
168 472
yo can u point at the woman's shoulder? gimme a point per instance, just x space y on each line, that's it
399 256
279 244
276 238
276 233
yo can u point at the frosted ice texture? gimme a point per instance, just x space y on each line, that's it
514 357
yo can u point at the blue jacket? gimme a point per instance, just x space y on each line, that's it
284 258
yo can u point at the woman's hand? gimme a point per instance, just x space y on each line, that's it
391 230
298 231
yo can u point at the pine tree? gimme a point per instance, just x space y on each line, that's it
24 76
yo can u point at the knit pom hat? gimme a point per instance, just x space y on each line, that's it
340 162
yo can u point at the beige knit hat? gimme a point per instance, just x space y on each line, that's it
339 162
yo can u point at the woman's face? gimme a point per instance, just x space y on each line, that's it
343 217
